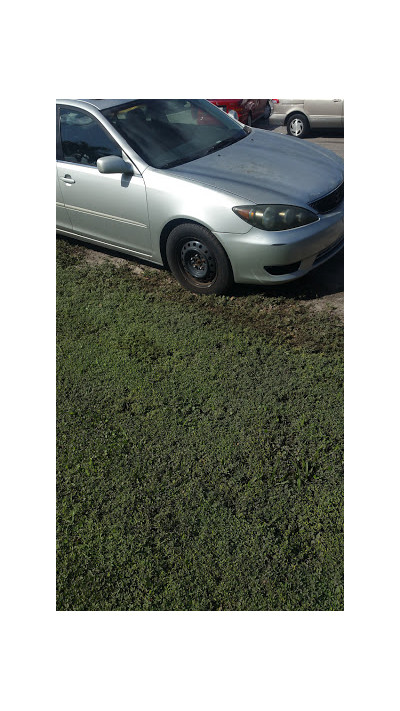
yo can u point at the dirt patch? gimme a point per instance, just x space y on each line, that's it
333 303
325 286
321 290
95 259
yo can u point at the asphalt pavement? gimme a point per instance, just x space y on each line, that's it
333 138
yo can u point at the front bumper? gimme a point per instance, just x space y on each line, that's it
289 253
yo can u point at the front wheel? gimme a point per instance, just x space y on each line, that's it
198 261
298 126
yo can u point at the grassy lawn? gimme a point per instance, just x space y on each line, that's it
199 446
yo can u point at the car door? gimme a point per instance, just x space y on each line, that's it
63 221
110 208
324 112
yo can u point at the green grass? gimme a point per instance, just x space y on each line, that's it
199 446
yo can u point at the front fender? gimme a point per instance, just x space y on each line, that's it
172 198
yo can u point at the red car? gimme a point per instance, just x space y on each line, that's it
248 110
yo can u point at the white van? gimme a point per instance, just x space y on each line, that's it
301 115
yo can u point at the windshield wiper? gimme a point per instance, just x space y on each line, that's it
220 144
223 144
180 161
173 163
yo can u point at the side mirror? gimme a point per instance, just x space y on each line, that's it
114 164
234 114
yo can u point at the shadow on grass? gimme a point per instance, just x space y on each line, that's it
326 280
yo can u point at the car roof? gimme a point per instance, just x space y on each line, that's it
99 104
102 104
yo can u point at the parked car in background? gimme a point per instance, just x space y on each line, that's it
248 110
301 115
179 183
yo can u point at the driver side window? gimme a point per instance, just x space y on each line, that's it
83 139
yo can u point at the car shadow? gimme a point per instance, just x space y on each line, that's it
262 123
326 133
326 280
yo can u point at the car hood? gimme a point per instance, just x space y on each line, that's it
266 166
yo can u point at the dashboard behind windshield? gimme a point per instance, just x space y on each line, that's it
167 132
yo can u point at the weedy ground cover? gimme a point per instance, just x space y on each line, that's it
200 443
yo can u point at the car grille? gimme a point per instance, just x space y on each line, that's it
330 201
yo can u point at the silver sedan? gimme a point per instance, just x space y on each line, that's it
180 183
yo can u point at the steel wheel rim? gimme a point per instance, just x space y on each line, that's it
198 262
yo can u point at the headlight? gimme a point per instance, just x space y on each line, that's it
275 217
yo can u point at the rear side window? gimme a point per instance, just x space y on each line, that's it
83 139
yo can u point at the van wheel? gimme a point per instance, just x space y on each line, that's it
198 261
298 126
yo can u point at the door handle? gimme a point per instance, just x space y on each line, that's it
336 100
67 179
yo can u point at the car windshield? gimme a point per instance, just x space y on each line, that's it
169 132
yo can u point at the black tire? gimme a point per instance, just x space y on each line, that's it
249 121
198 261
298 126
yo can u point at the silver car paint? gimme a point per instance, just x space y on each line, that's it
130 212
62 218
250 253
110 207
